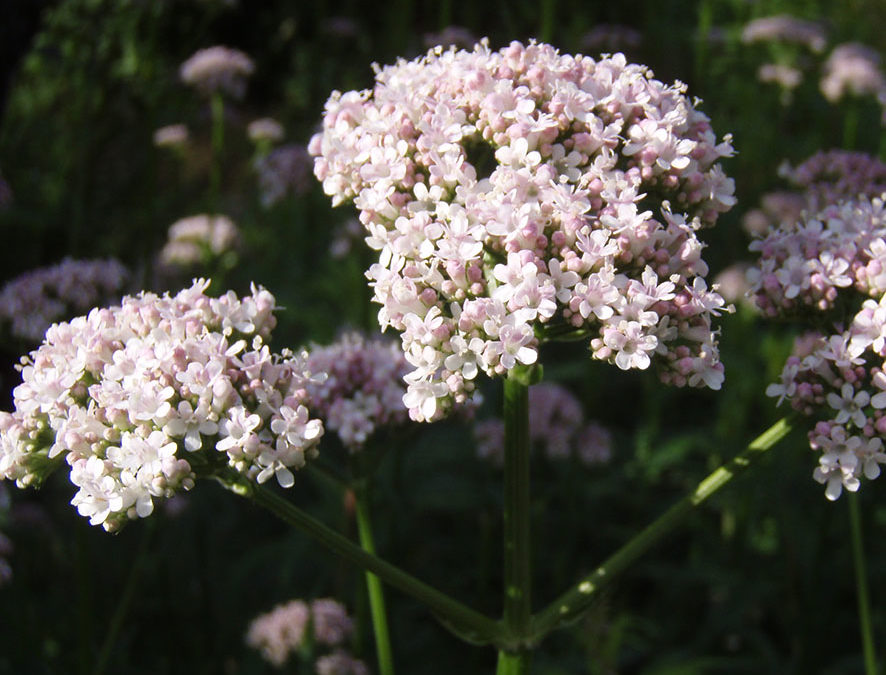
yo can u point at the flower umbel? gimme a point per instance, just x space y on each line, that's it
515 192
143 398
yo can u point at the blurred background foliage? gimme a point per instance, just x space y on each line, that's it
758 581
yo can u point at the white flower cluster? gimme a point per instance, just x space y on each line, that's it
556 426
142 398
804 265
217 69
516 194
363 390
30 303
285 629
199 239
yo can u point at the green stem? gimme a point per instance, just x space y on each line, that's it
217 104
465 622
572 604
850 124
374 589
861 579
512 663
517 558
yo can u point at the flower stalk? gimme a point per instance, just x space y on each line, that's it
517 548
572 604
468 624
862 592
374 588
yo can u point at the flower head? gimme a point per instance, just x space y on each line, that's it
217 69
510 192
142 398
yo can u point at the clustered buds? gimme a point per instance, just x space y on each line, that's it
520 194
143 398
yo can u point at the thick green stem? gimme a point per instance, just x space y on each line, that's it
512 663
861 580
460 619
374 589
517 549
572 604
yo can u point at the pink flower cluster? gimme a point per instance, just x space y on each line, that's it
217 69
852 69
835 175
803 265
556 426
841 378
288 627
30 303
785 28
363 390
199 239
142 398
518 194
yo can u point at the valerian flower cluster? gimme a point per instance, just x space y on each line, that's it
142 398
520 194
31 302
363 389
290 627
831 264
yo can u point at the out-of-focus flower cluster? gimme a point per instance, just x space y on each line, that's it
557 427
363 390
608 38
517 194
264 129
852 69
171 136
298 626
282 172
834 175
217 69
199 240
142 398
30 303
785 28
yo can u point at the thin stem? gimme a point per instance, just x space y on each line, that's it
460 619
573 603
374 589
517 558
861 580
